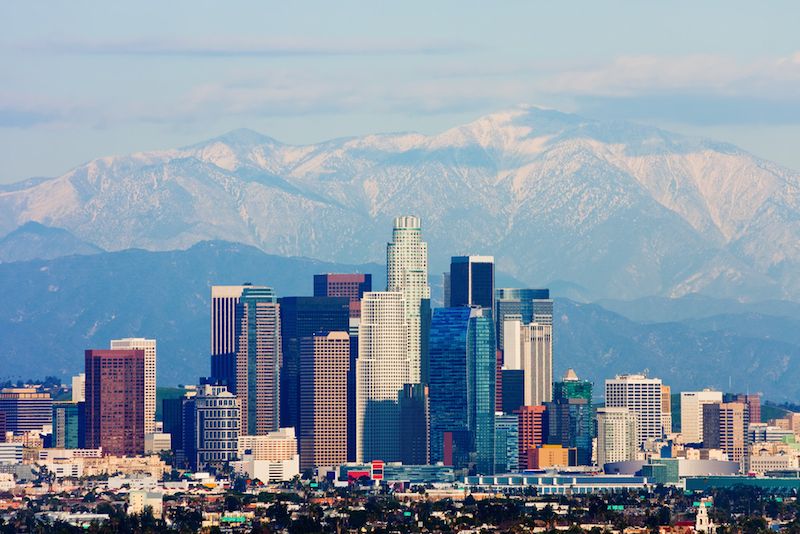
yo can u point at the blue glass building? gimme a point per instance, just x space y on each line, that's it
481 371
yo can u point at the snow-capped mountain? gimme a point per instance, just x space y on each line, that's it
620 209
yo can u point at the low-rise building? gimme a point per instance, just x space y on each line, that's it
140 500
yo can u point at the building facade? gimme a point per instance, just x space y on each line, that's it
532 424
258 359
149 348
407 273
25 409
217 424
692 413
69 425
114 407
351 286
472 281
521 304
617 435
302 317
382 368
322 429
506 442
642 396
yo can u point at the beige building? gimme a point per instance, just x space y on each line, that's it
139 500
149 348
324 365
692 413
278 445
617 435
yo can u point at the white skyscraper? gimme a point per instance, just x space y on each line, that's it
692 413
642 396
407 273
149 348
617 437
536 349
79 387
381 370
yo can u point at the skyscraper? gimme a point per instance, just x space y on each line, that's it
301 317
642 396
666 409
532 424
536 347
506 432
352 286
472 281
149 348
448 376
382 368
725 427
462 383
571 416
692 413
414 430
481 369
114 406
224 325
407 273
26 409
322 429
617 436
525 305
69 425
79 387
258 360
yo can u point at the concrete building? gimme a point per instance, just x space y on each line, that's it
11 453
224 325
217 427
532 425
140 500
617 435
324 368
270 458
383 367
764 433
525 305
149 348
547 456
666 410
692 413
26 409
536 350
571 416
407 274
156 442
114 408
725 427
642 396
79 387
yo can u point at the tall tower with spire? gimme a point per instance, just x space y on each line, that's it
407 273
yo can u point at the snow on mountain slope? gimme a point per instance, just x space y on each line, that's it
622 209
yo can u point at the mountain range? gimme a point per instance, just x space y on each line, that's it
609 209
55 309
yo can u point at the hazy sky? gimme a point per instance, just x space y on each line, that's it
84 79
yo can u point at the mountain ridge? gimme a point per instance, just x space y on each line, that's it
622 209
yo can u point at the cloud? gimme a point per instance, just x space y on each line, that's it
229 47
12 117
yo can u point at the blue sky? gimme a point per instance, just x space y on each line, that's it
85 79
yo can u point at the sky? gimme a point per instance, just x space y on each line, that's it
80 79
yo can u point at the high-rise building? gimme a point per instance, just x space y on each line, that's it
26 409
446 289
481 368
617 435
571 416
114 408
506 442
216 429
79 387
692 413
525 305
382 368
352 286
532 431
448 376
322 429
258 360
752 400
302 317
462 382
69 425
172 418
725 427
513 394
414 427
224 327
666 410
3 427
149 348
407 273
642 396
536 347
472 281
